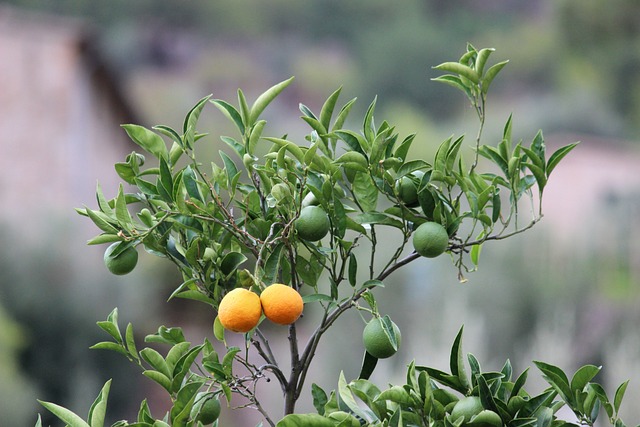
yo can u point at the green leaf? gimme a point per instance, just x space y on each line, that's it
454 81
230 263
148 140
231 113
327 108
354 140
191 119
460 69
319 398
306 420
108 345
481 59
104 238
191 184
617 399
491 74
559 155
155 359
130 341
365 192
218 330
159 378
557 379
265 99
122 213
583 376
184 401
369 363
99 407
347 398
102 221
343 114
65 415
456 361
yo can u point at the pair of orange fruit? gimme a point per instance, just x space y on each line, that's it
240 309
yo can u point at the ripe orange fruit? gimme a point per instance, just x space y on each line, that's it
313 223
430 239
281 304
122 263
377 342
240 310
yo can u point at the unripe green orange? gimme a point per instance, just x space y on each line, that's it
377 342
430 239
467 407
122 263
313 223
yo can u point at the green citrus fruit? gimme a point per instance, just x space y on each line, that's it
407 188
377 342
430 239
122 263
313 223
467 407
486 418
206 408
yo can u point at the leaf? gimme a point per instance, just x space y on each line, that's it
108 345
122 213
319 398
131 344
354 140
184 401
230 263
99 407
265 99
159 378
231 113
456 361
481 59
191 119
369 363
454 81
191 184
582 376
148 140
72 419
617 399
155 359
101 221
460 69
557 379
327 108
559 155
307 420
347 398
491 74
365 192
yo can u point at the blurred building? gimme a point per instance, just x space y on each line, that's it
60 111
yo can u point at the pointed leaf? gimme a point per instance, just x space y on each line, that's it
72 419
148 140
559 155
265 99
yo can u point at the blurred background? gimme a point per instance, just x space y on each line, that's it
72 71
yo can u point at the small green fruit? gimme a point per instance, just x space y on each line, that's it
377 342
206 408
312 224
430 239
122 263
467 407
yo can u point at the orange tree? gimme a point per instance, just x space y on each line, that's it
285 219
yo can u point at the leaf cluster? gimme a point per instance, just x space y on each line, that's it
430 395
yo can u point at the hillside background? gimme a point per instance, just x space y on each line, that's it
567 292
